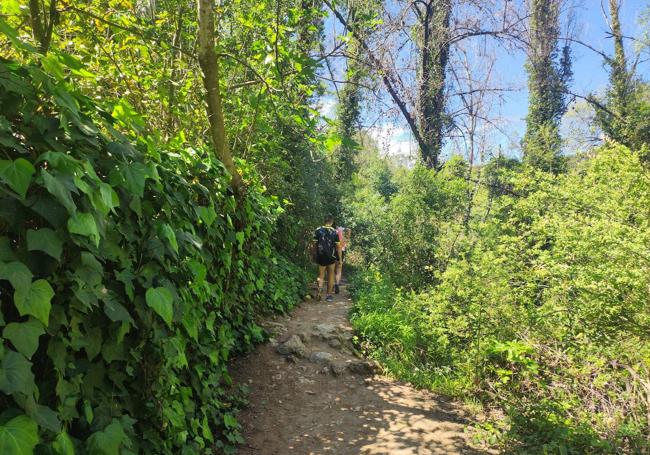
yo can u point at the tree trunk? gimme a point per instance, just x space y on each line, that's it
434 36
619 77
42 24
210 68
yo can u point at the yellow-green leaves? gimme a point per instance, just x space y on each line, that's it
162 302
17 175
19 436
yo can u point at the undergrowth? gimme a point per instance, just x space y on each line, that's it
129 275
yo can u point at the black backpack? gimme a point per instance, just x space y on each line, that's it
325 243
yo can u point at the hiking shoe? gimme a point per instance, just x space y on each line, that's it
329 298
336 289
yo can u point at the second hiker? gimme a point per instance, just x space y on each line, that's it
327 248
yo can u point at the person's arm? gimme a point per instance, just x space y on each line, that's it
312 244
339 248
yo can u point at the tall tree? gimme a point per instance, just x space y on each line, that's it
624 115
433 17
549 70
210 67
349 106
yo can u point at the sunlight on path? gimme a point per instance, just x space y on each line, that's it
317 397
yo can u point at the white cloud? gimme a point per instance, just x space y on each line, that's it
327 106
394 140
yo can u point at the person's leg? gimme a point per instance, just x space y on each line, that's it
330 279
321 279
337 275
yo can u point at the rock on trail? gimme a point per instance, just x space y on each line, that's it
310 395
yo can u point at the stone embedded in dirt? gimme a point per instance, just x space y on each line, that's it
320 357
293 345
363 367
291 358
338 367
347 335
283 338
273 328
334 343
304 336
325 331
303 380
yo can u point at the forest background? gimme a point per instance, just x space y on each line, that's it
163 166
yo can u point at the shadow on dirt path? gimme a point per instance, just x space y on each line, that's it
310 395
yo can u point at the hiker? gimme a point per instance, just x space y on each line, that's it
326 246
344 237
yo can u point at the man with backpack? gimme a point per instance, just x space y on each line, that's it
326 249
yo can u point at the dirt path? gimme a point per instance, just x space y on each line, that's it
309 395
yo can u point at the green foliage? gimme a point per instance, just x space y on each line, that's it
128 277
18 436
626 118
398 221
541 311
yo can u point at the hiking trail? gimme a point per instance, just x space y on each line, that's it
310 395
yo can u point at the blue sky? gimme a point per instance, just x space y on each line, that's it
589 74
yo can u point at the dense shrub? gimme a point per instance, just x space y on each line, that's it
128 275
400 222
542 311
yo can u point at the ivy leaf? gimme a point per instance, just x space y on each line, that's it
6 252
116 311
168 234
105 198
229 420
16 374
133 177
17 174
62 445
198 270
161 301
19 436
84 224
59 191
35 300
24 336
44 416
17 274
46 240
207 215
108 441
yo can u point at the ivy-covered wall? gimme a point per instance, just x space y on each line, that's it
128 276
